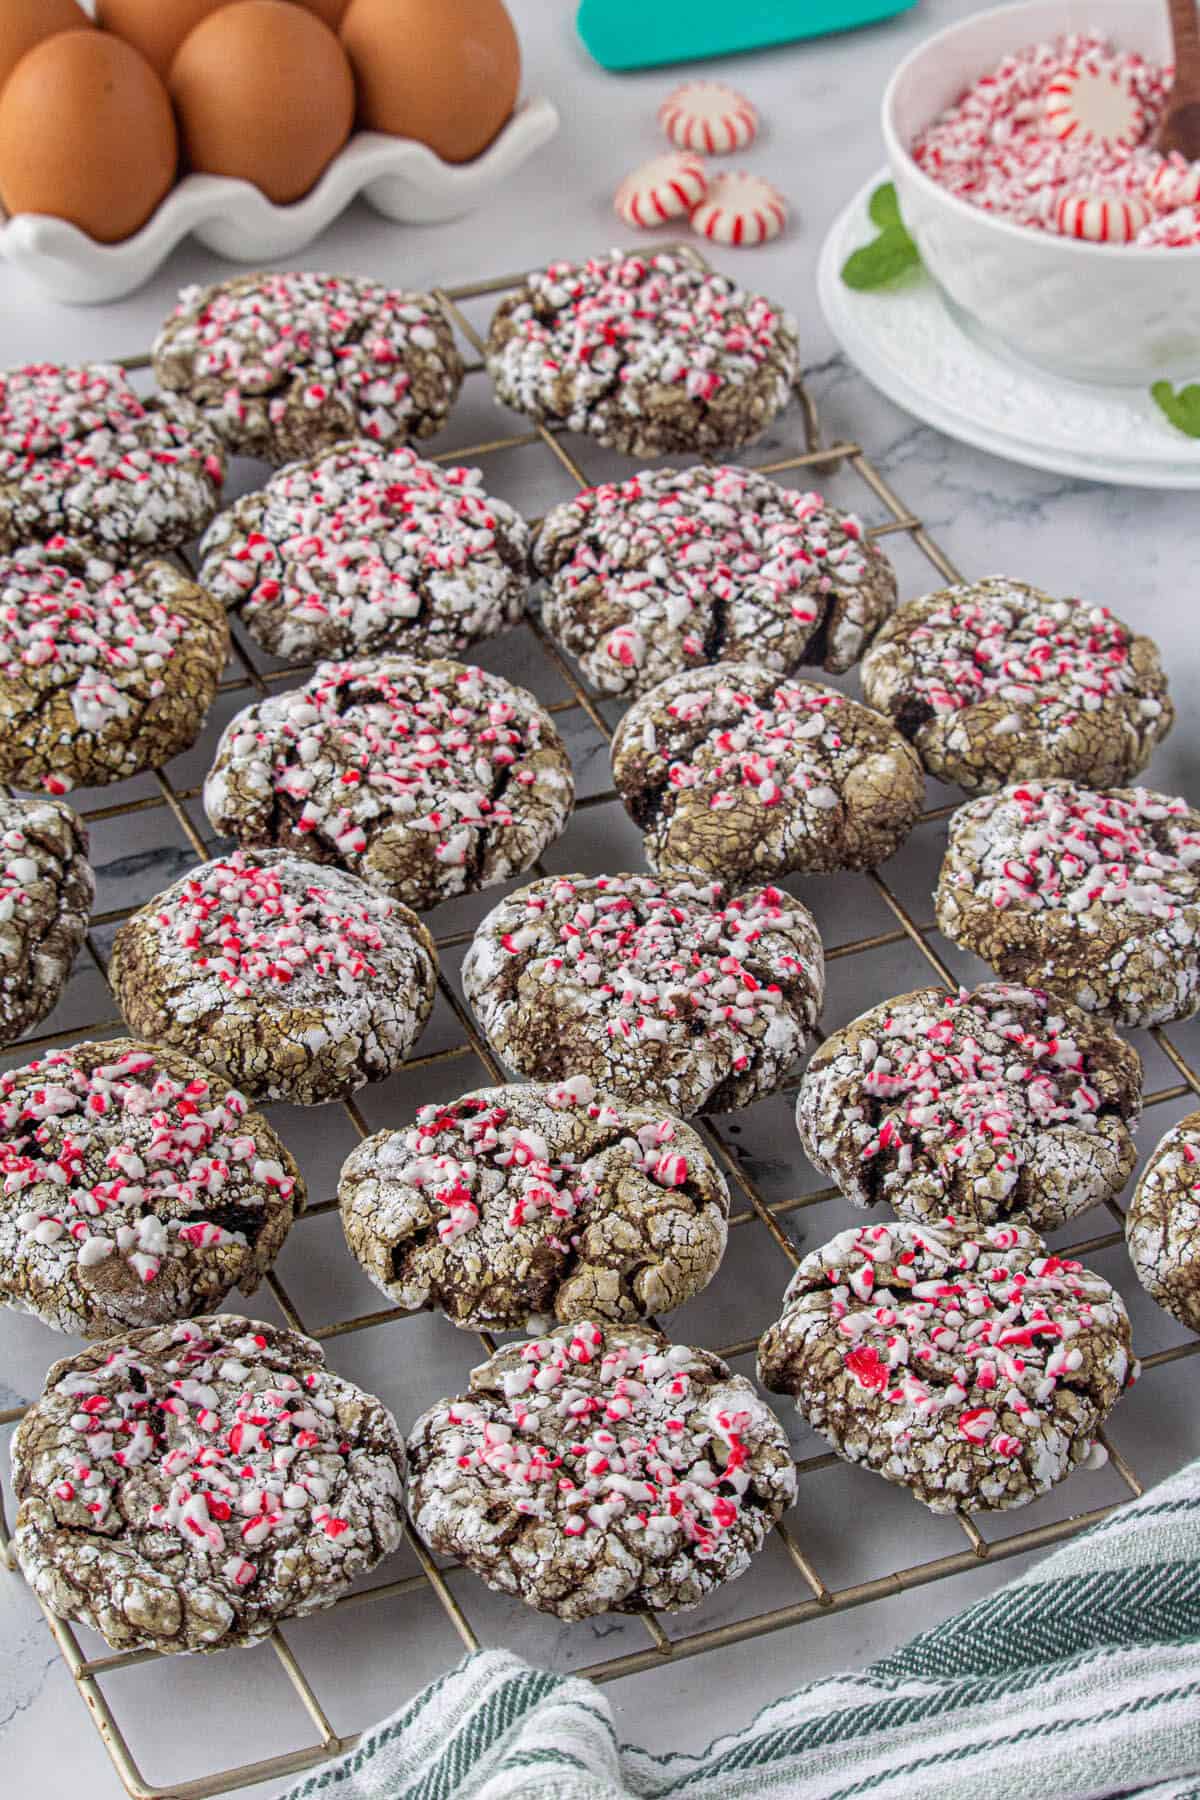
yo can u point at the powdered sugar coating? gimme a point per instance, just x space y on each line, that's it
104 670
684 568
1093 893
292 981
1004 1103
649 355
361 550
188 1486
137 1188
514 1206
655 990
995 682
736 774
428 779
965 1364
82 455
1162 1226
601 1470
46 892
285 365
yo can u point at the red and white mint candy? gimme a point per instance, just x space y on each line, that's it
707 115
1174 183
1091 105
1102 218
665 188
740 209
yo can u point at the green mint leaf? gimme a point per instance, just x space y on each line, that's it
885 259
884 207
1182 408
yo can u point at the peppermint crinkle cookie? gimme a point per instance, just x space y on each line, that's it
361 550
428 779
736 774
648 354
997 682
104 671
137 1188
513 1206
1004 1103
677 569
284 365
1162 1226
292 981
46 891
1095 894
656 990
601 1470
189 1486
963 1363
83 456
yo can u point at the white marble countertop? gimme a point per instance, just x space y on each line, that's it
1133 551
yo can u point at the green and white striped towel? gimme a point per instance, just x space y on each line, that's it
1081 1678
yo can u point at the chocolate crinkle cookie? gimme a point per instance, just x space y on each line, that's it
189 1486
428 779
514 1206
1162 1226
361 550
995 682
648 354
104 670
656 990
81 455
137 1188
284 365
1094 894
680 569
1004 1103
601 1469
963 1363
46 892
292 981
734 774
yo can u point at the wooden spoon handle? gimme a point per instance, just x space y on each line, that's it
1185 30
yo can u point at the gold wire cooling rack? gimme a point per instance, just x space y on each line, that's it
814 1597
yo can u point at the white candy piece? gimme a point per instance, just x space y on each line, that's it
1174 184
707 115
740 210
666 188
1094 106
1101 218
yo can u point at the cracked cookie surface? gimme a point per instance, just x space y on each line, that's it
81 455
292 981
514 1206
965 1364
188 1486
601 1469
362 550
46 892
138 1188
995 682
1092 893
648 354
1003 1103
427 778
656 990
1162 1226
683 568
284 365
104 671
736 774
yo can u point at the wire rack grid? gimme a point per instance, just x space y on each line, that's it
815 1596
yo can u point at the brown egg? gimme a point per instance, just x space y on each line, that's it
86 134
155 27
332 11
443 71
264 92
24 23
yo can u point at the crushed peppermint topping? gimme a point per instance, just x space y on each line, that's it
790 739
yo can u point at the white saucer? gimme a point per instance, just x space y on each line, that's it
914 345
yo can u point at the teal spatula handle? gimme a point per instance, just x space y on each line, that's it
639 34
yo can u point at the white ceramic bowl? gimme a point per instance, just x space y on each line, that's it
1097 312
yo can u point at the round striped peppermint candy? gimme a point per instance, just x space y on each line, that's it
1101 218
740 209
1174 183
707 115
666 188
1094 106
